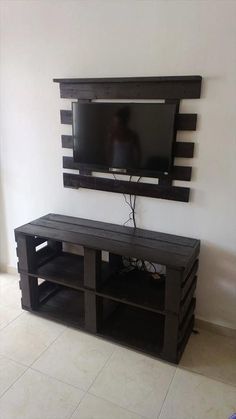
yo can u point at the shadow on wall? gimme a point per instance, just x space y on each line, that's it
3 236
219 265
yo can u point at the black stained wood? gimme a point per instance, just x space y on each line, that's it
29 289
173 289
182 148
116 228
170 344
186 302
67 141
132 308
92 268
176 193
171 89
188 280
154 246
25 252
65 269
184 122
65 306
186 320
91 311
183 343
46 290
131 88
135 288
135 328
178 172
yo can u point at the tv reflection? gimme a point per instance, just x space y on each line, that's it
123 142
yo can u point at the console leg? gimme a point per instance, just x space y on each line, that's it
93 311
170 345
30 294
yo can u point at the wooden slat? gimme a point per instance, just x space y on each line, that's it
132 88
116 228
119 239
185 304
194 78
140 189
184 122
67 141
181 149
187 320
179 172
66 117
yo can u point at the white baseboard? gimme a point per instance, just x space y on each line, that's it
215 328
12 270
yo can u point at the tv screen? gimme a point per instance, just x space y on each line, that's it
132 138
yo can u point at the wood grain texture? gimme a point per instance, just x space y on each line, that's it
140 189
131 88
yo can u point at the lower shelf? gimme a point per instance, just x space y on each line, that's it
136 328
65 305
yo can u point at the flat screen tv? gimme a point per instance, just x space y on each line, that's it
132 138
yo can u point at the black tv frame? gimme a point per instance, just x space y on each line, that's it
84 167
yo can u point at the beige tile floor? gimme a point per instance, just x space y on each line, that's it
49 371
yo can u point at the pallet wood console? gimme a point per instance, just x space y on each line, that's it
132 308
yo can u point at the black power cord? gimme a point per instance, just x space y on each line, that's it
134 263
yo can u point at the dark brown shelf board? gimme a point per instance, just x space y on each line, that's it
196 78
170 87
135 288
64 269
135 328
65 306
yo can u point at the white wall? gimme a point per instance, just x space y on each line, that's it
46 39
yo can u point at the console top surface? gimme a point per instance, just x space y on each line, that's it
171 250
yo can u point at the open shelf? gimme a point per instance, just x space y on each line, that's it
64 305
134 327
135 288
65 269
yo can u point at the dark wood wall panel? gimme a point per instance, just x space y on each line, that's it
143 189
181 149
170 90
179 172
183 87
66 141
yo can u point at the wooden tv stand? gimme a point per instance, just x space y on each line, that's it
133 308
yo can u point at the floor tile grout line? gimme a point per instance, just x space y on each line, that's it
44 350
57 379
118 405
11 321
27 366
108 359
12 384
14 360
77 405
161 409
